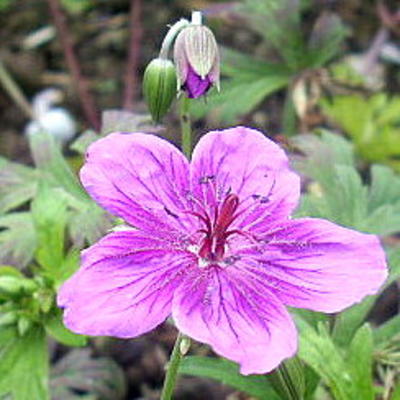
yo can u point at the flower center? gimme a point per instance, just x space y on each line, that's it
217 231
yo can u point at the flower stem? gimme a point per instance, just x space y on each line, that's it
172 369
170 37
184 115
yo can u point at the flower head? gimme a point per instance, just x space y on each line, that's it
197 60
211 243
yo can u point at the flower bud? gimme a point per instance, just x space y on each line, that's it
288 380
159 86
197 60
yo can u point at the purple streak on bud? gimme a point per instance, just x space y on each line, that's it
196 86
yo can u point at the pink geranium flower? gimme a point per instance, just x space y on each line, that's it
211 243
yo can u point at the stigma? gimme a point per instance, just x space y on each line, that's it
216 230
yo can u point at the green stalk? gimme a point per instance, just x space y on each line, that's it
184 116
13 90
181 340
172 369
170 37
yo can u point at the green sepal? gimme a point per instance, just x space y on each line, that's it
159 87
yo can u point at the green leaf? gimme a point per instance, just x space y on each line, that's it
53 167
321 154
69 265
385 187
388 331
341 197
278 21
24 364
227 372
326 38
17 239
376 135
248 94
350 320
56 328
17 184
396 392
238 65
95 220
49 213
360 364
340 194
6 270
347 200
320 353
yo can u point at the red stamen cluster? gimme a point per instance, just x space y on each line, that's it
216 232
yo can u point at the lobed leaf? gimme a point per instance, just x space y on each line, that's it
359 362
24 364
17 239
248 94
320 353
49 214
17 185
52 165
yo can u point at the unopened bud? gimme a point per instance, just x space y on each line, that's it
196 58
159 87
288 380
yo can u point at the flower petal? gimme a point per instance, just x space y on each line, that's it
124 287
241 320
313 263
140 178
195 85
244 162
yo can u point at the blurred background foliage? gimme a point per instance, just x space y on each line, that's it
322 77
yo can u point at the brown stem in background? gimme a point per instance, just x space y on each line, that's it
80 82
372 55
390 20
131 74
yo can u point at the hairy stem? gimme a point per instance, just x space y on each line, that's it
184 116
172 369
14 91
170 37
131 74
81 85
